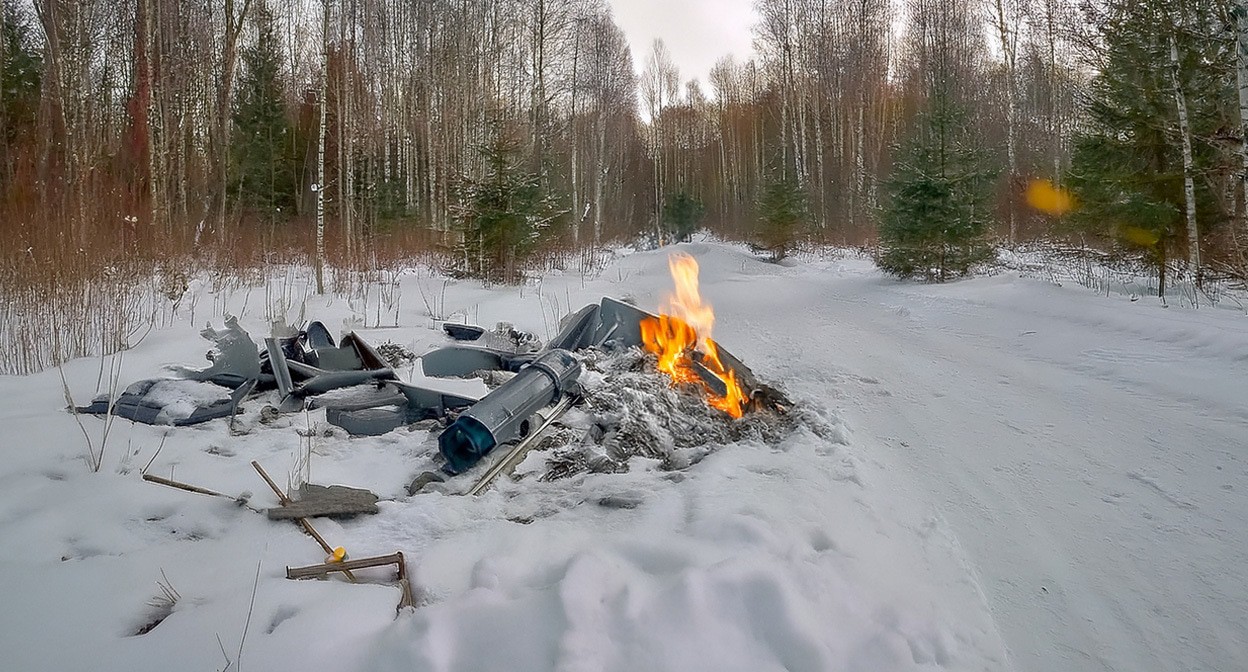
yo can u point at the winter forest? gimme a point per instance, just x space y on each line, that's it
504 136
462 335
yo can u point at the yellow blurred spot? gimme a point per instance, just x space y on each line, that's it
338 555
1043 196
1141 237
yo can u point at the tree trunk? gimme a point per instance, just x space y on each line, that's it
1008 52
229 64
1241 75
320 156
1189 190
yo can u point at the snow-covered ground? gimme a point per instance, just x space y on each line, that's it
1010 476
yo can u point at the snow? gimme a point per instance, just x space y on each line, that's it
997 474
179 398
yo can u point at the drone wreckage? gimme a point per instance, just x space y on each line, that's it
711 397
308 364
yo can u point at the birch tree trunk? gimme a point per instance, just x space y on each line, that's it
320 155
1009 45
1189 189
576 196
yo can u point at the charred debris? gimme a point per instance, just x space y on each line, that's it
601 364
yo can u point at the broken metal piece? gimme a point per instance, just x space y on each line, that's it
335 501
320 381
154 402
367 421
760 395
369 357
281 372
432 400
410 404
352 354
318 336
505 414
463 332
234 357
459 361
578 329
332 380
359 398
619 324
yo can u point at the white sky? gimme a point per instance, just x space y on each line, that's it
697 32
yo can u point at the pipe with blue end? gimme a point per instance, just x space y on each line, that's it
504 414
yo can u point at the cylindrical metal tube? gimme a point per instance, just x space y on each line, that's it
503 414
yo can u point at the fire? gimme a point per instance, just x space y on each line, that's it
675 337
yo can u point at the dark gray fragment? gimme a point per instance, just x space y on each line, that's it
335 501
418 484
463 332
622 500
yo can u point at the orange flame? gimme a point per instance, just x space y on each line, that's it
675 337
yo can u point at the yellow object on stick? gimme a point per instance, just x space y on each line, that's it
338 555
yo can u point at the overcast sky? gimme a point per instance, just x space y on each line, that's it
697 32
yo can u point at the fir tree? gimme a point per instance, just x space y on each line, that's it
20 77
782 210
1127 167
936 224
264 163
502 213
681 214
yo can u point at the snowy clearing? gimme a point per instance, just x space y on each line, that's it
1013 476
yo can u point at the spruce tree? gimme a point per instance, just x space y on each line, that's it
263 161
20 76
1127 167
681 215
782 211
936 223
503 212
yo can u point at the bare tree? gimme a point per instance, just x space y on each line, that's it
1007 17
660 81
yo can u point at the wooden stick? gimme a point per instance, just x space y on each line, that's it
406 599
323 570
346 565
307 525
150 478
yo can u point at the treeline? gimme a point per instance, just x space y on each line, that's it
500 129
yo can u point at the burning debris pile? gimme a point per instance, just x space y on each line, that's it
628 411
615 383
608 362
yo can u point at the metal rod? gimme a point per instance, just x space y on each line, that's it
511 459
